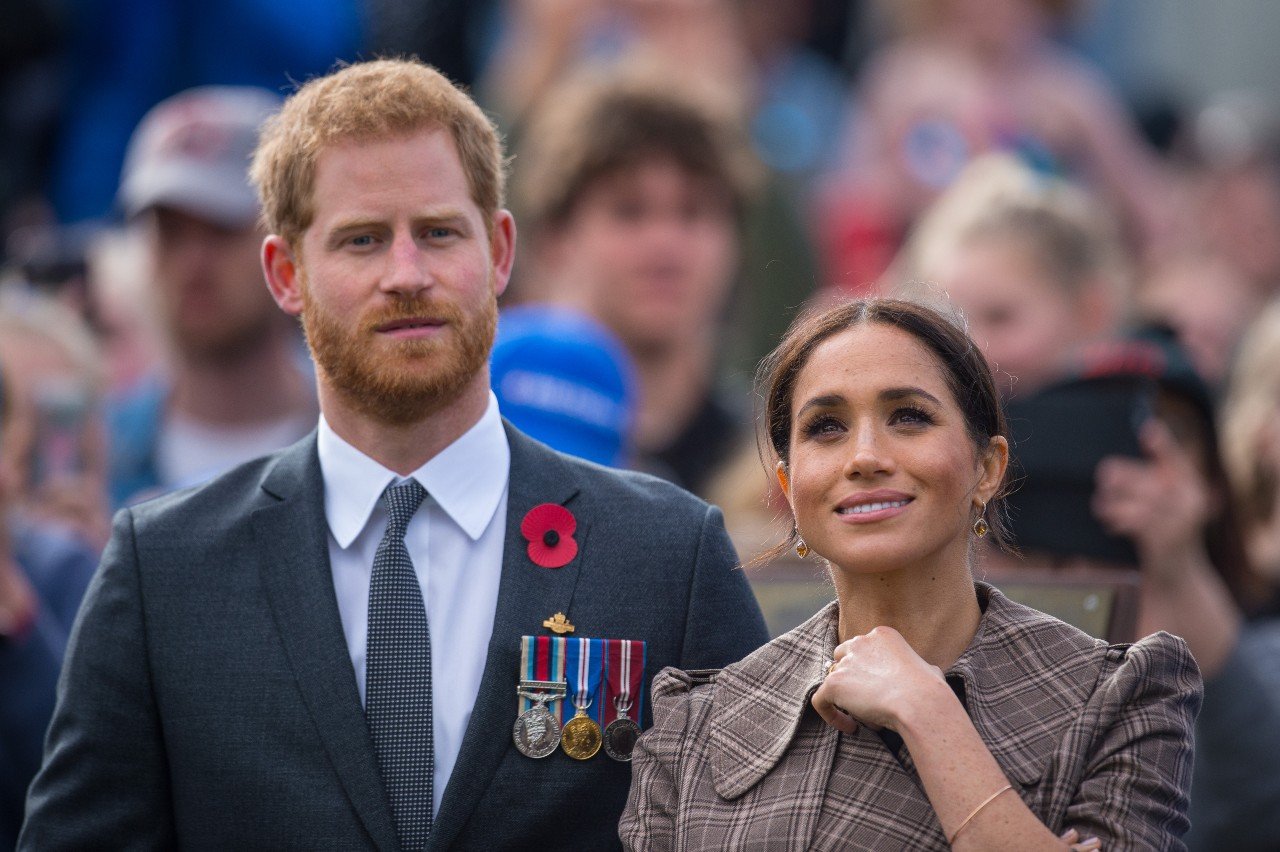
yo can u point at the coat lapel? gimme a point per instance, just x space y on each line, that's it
292 536
527 594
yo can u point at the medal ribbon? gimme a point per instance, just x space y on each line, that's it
625 680
542 658
584 664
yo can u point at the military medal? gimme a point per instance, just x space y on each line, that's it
626 671
537 729
581 736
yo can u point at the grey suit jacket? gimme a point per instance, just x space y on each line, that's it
208 699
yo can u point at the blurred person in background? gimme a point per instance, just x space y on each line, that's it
121 57
1206 301
1166 500
58 461
1029 261
1235 177
965 77
564 379
545 43
633 192
1251 440
43 575
122 308
1226 265
236 386
746 57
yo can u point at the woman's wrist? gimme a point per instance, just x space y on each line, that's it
923 709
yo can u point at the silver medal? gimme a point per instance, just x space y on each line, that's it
536 732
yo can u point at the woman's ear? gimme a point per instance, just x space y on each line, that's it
994 463
780 469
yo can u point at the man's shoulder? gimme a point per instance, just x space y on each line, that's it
626 489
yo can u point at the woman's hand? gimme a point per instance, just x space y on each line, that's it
874 677
1072 838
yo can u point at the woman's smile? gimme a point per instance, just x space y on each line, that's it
871 506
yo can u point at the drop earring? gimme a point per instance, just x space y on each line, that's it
980 527
802 549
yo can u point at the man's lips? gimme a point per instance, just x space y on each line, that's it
411 327
872 505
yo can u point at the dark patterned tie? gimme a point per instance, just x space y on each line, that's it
397 703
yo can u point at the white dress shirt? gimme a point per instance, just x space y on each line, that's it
455 540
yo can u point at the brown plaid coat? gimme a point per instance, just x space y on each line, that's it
1092 736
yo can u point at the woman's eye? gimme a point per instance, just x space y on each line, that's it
911 416
820 426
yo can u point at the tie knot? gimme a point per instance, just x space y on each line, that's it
402 501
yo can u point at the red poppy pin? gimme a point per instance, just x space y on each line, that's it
549 530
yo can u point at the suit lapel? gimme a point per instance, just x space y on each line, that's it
292 536
527 594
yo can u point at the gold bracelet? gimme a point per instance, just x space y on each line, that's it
988 800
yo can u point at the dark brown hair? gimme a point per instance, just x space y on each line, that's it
963 366
605 122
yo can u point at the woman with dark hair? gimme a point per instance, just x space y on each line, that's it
920 709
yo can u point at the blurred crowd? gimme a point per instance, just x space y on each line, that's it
687 176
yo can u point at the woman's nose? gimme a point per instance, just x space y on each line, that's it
867 454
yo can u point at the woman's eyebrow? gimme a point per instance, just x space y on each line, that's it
825 401
894 394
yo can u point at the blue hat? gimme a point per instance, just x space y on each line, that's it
563 379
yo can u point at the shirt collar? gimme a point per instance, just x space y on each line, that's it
466 479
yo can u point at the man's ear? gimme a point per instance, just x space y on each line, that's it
502 247
283 272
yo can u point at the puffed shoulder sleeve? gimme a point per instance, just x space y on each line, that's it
679 718
1135 789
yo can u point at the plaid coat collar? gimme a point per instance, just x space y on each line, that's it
1005 670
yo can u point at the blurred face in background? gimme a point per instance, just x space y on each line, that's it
212 300
1208 303
652 251
1024 320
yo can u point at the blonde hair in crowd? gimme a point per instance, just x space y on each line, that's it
1069 235
1248 411
367 101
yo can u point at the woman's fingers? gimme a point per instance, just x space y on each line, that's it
832 713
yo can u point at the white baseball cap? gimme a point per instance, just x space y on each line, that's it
192 152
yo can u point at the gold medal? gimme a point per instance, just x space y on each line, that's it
581 736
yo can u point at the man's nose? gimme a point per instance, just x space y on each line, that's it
407 271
